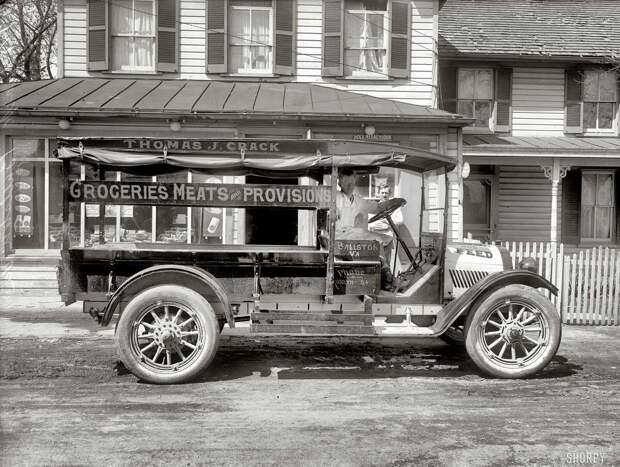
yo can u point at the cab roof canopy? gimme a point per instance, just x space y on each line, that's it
271 158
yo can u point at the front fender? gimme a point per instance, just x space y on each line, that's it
188 276
462 304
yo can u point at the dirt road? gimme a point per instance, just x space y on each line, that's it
276 401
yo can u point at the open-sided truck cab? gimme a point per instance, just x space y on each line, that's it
173 299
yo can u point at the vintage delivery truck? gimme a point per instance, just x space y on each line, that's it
173 297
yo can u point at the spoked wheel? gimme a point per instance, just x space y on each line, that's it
514 333
167 334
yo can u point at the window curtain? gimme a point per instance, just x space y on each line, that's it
250 29
132 19
365 36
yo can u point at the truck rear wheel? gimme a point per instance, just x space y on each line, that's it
455 334
167 334
514 332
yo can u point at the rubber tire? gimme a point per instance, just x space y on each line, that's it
524 293
192 300
453 337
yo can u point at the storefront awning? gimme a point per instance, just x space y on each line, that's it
282 157
154 98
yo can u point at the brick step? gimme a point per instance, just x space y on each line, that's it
27 275
30 292
312 329
316 319
28 284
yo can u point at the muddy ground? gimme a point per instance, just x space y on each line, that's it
292 401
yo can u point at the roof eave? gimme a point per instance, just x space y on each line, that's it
449 119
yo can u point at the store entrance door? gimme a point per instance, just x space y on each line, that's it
271 226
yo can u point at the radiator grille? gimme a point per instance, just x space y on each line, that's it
462 278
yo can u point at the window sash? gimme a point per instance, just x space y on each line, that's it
246 41
352 43
132 36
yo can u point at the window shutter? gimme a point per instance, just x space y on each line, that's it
217 42
98 39
167 36
618 119
333 21
284 36
400 39
571 207
447 83
573 105
503 97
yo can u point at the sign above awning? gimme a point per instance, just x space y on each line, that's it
275 157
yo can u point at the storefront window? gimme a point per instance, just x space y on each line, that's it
94 224
136 222
35 195
208 222
171 221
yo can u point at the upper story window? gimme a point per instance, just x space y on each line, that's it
483 94
591 101
366 39
251 35
366 27
599 100
475 95
133 35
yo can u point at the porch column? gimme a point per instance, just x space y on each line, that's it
555 173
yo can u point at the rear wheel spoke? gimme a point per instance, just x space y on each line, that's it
157 354
501 352
528 320
495 343
186 322
146 347
187 344
527 353
525 336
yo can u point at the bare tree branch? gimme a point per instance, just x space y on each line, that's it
27 33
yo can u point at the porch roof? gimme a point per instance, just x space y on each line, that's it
201 98
530 28
565 146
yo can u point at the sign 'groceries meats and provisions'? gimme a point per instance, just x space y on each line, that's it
200 194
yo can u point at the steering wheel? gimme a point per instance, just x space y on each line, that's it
388 208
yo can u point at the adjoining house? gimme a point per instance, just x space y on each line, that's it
363 69
540 78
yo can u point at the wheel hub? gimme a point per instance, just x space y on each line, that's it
167 335
512 332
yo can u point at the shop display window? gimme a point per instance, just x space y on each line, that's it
207 222
136 222
35 193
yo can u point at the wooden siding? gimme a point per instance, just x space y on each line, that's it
75 30
192 43
538 102
524 204
418 89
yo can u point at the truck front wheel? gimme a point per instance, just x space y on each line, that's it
167 334
514 333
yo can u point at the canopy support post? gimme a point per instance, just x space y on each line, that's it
329 279
66 227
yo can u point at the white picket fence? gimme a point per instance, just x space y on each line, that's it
588 281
